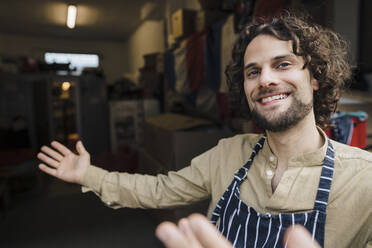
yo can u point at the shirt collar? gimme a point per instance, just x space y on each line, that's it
314 158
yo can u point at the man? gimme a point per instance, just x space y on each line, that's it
286 74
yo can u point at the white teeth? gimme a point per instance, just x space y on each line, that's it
272 98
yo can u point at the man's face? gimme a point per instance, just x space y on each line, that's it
279 91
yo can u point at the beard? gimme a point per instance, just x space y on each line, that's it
294 114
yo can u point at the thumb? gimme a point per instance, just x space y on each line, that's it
80 148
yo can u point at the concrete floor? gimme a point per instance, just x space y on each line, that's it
58 215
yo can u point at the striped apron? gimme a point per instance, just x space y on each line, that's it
245 227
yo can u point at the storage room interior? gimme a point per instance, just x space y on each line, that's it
142 84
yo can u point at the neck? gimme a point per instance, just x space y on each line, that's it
302 138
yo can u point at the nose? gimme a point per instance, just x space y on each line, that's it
267 78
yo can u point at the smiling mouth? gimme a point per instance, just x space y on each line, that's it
273 98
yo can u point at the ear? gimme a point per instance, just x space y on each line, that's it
314 84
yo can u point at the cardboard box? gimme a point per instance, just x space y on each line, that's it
169 138
183 22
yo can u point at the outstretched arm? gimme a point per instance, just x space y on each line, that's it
197 232
62 163
123 189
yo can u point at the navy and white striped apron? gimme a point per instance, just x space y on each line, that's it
245 227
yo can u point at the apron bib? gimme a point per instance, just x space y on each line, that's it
243 226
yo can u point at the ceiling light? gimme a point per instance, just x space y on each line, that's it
71 16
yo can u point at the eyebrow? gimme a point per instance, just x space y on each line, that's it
279 57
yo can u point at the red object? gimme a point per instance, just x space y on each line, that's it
267 9
328 132
359 137
195 60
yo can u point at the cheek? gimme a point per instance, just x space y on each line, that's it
248 90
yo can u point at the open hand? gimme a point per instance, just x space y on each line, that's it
194 231
62 163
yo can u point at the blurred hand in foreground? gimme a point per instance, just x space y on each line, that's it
196 231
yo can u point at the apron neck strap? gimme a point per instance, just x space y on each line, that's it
326 178
241 174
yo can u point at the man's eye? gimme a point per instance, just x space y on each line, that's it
283 65
252 74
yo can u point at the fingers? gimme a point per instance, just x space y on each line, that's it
171 236
47 160
206 233
53 154
61 148
48 170
299 237
186 229
192 232
80 148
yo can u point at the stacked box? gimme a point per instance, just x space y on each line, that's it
183 22
154 62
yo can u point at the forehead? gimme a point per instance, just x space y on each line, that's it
265 47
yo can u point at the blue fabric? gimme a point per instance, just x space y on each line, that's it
212 74
243 226
342 129
361 115
169 69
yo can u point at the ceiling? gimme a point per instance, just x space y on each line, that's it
112 20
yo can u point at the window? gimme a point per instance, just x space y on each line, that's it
77 61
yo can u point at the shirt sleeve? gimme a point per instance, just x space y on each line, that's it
369 244
182 187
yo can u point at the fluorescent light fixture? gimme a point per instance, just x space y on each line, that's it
71 16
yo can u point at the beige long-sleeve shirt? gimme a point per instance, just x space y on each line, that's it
349 212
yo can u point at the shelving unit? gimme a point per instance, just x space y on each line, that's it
52 113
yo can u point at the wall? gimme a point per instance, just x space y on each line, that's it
111 53
148 38
346 23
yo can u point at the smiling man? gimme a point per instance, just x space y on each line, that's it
278 89
287 75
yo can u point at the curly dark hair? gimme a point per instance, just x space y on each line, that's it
324 53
